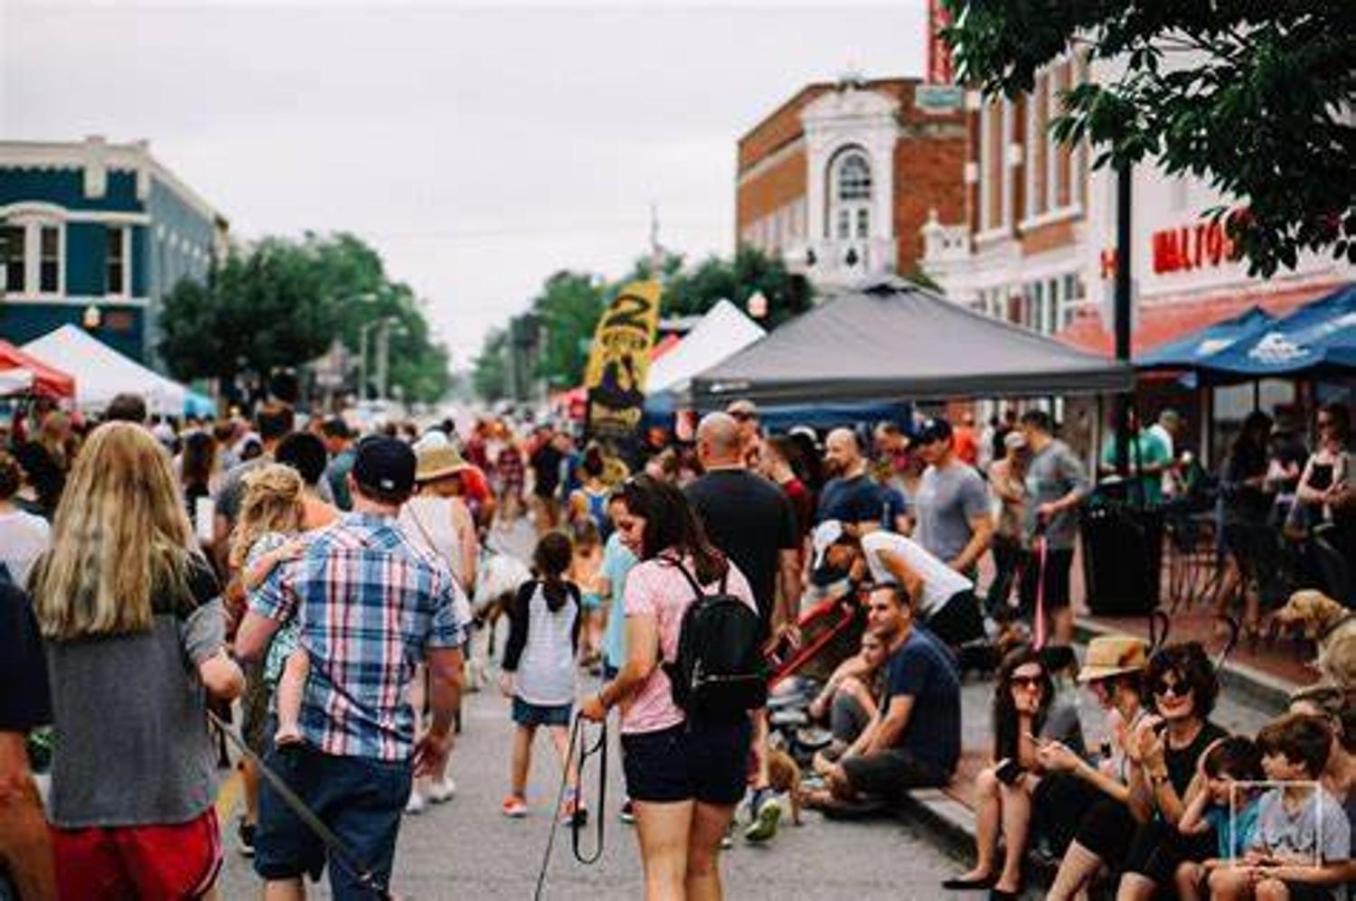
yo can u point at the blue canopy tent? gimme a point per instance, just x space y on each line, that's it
1200 347
1318 339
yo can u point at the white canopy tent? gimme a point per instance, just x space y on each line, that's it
14 381
101 373
721 333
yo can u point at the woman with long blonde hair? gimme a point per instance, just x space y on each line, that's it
135 634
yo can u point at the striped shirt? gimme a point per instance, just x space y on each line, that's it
371 603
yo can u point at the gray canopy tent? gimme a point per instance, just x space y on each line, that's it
891 339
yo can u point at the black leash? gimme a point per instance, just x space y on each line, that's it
598 748
340 853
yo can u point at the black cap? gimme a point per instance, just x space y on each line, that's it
385 465
937 429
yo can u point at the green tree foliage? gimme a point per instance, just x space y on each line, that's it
1255 97
489 376
281 303
570 304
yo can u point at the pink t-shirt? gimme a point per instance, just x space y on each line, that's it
658 589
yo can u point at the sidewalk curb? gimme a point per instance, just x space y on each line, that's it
1260 689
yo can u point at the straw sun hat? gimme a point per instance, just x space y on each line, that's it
439 462
1112 655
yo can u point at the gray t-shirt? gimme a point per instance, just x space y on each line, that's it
947 500
1050 475
1319 829
132 746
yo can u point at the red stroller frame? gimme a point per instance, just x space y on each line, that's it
831 631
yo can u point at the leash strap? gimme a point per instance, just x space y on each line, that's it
339 852
1040 592
599 748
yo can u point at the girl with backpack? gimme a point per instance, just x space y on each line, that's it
685 771
539 669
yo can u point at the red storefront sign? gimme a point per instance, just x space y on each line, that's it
1193 247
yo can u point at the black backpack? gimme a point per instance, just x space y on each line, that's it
718 673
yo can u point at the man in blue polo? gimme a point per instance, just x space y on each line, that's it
370 603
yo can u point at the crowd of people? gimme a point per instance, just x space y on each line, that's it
320 589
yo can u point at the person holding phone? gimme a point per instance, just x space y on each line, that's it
1023 709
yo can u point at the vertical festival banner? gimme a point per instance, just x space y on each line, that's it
620 360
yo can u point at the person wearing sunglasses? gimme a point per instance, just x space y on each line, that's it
1326 482
1165 750
1024 717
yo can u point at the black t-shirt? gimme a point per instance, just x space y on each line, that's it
546 467
858 499
751 520
1181 763
25 701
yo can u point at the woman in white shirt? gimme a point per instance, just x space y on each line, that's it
23 536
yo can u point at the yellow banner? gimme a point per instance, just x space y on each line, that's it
620 360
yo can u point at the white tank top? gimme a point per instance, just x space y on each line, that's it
546 670
427 520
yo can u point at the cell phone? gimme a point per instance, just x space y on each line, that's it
1009 771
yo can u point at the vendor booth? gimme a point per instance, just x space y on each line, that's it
101 373
893 340
23 373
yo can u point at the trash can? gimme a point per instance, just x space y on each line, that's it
1122 557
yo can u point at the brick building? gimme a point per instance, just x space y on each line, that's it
840 178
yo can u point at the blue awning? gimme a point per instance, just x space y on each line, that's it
1317 339
1200 347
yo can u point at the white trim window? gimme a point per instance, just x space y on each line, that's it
850 186
34 256
117 261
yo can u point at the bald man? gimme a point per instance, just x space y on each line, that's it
851 496
752 521
749 518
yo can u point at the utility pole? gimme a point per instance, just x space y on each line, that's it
384 357
1122 316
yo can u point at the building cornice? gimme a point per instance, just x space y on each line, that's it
82 155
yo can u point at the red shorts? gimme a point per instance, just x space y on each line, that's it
138 862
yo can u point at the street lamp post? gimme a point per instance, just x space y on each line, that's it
384 354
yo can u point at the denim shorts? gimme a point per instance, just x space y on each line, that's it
707 762
529 714
359 798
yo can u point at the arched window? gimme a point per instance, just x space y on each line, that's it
849 190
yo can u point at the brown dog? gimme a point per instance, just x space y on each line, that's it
1332 626
783 775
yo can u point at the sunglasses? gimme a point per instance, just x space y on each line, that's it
743 416
1324 423
1026 681
1175 689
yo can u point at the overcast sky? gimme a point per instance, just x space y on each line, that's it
479 147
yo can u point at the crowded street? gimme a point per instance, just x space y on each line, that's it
677 451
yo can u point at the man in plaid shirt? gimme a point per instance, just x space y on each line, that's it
370 605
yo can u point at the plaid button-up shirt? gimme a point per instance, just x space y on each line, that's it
370 603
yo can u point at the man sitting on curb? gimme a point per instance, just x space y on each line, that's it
915 740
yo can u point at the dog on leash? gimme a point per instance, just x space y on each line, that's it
783 776
497 583
1332 627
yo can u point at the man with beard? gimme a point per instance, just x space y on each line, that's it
851 496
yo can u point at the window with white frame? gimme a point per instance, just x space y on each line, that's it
117 272
34 253
13 241
850 194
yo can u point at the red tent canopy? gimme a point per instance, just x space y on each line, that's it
46 380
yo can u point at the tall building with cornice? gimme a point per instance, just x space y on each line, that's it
840 178
96 234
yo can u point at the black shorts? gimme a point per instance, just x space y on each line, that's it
1058 806
706 762
958 621
889 774
1058 564
1157 849
1107 829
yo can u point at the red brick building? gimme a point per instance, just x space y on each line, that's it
840 179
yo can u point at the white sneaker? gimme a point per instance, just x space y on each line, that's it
416 804
441 790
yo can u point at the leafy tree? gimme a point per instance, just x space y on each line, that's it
490 375
1255 97
281 303
569 307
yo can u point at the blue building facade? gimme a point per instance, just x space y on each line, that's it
96 234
